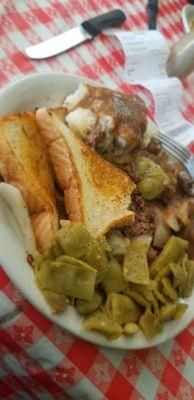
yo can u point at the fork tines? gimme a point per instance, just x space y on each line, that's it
175 149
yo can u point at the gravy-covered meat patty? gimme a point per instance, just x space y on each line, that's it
94 111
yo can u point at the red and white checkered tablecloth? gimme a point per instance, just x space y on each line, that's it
38 360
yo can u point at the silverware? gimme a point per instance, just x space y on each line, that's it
152 12
86 31
179 152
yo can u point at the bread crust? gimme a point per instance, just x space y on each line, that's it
25 165
96 192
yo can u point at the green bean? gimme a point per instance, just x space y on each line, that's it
137 297
181 308
171 252
135 262
87 307
101 322
122 308
58 302
150 324
168 311
113 280
67 276
168 289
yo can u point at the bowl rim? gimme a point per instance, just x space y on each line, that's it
20 79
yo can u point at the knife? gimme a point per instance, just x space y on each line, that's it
86 31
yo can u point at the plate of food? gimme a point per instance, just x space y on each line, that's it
96 219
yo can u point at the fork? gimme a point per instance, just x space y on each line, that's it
179 152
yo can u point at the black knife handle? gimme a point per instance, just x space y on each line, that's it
95 25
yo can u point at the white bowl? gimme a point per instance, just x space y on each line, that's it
49 89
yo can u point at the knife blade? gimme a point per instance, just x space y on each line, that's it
71 38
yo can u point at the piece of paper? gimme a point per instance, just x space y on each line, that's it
167 94
146 53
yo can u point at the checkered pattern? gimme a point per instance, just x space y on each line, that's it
37 359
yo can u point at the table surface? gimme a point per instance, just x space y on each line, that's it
38 360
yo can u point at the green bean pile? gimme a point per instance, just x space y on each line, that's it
110 282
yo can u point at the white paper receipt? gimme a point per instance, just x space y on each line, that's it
146 53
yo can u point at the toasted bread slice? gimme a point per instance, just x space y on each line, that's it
96 193
25 165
